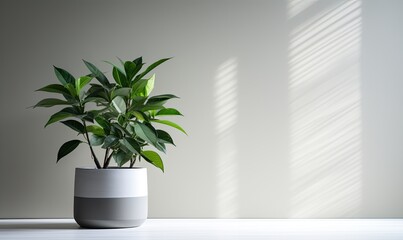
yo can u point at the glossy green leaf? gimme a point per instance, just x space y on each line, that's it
97 74
130 69
164 137
121 158
131 144
121 120
115 74
151 67
120 77
96 100
75 125
145 132
160 146
119 104
138 61
72 90
153 158
110 141
81 82
123 92
160 98
96 140
50 102
148 107
140 115
116 66
64 76
143 87
67 148
97 130
60 116
122 130
55 88
103 123
96 93
169 123
168 111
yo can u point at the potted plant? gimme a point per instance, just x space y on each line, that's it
120 117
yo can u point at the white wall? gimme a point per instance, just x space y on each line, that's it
260 145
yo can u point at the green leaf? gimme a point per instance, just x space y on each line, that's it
169 123
67 148
96 140
75 125
151 67
150 107
140 115
59 116
116 66
97 130
123 92
164 137
121 158
121 120
143 87
50 102
153 158
120 77
115 74
97 74
81 82
103 123
110 141
145 133
160 146
96 100
160 99
119 104
64 76
97 91
55 88
72 90
168 111
121 129
131 144
138 61
130 69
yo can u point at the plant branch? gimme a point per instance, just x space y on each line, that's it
92 150
106 157
108 160
132 161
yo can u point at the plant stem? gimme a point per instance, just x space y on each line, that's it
132 161
108 160
92 150
106 157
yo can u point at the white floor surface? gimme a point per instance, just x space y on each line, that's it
226 229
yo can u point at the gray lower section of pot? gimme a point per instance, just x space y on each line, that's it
110 212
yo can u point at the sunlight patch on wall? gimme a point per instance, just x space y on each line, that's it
325 112
295 7
225 119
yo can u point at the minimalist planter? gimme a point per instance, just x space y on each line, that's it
110 198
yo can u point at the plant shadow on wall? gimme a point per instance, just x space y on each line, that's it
122 121
325 108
